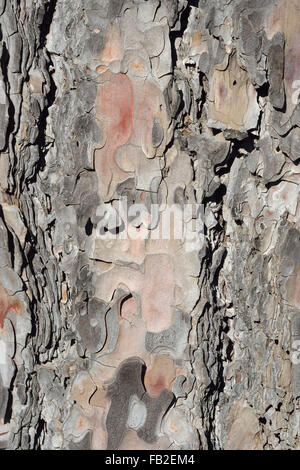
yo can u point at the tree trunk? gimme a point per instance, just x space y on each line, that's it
149 217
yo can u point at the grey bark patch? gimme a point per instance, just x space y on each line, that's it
276 71
128 382
173 339
156 408
82 444
3 399
92 327
115 7
157 133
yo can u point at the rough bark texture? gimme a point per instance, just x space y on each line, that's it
142 343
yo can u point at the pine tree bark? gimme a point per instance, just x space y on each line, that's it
116 332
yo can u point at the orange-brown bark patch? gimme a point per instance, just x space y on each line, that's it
7 303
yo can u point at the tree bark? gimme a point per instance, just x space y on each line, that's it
149 218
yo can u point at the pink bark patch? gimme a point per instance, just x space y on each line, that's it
114 111
158 292
160 376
